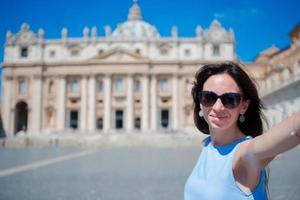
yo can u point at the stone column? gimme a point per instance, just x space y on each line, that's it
92 104
61 119
83 104
181 90
175 101
37 103
6 106
145 103
153 103
129 126
107 103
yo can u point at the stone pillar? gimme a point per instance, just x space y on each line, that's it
145 103
83 104
6 106
181 115
153 103
37 103
92 104
129 126
107 103
175 101
61 119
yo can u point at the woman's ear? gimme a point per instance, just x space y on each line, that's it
245 105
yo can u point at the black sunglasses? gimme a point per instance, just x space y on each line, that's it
229 100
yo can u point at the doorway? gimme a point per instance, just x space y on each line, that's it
21 117
73 119
119 119
164 118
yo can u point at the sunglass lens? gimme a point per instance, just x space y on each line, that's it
208 98
231 100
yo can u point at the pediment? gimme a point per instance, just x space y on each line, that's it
119 55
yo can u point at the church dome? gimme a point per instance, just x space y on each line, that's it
135 27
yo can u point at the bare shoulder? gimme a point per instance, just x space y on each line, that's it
245 154
202 143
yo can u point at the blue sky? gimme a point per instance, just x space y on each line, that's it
257 24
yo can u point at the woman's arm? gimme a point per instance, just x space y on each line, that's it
280 138
255 154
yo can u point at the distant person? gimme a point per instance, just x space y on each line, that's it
233 159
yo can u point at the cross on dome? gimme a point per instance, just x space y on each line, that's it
135 12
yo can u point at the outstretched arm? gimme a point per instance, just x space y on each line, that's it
280 138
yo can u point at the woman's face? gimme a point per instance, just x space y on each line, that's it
217 115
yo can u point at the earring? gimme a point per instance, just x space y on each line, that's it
242 118
200 113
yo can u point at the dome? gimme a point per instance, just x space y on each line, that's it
135 27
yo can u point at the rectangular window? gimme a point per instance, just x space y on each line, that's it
119 85
187 52
137 86
74 86
216 50
138 51
52 54
100 87
164 51
24 52
100 51
22 87
163 85
74 52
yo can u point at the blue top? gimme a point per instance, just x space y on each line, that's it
212 178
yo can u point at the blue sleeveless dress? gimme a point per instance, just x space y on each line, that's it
212 178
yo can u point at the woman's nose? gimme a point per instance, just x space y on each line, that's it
218 106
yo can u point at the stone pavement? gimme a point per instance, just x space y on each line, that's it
126 173
99 139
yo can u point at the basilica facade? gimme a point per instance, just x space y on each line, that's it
129 79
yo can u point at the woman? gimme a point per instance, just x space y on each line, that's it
233 158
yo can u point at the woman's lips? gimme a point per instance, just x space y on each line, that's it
218 117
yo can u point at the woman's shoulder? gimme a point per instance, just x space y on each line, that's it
205 141
202 143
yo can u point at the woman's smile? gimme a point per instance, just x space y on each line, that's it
218 117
